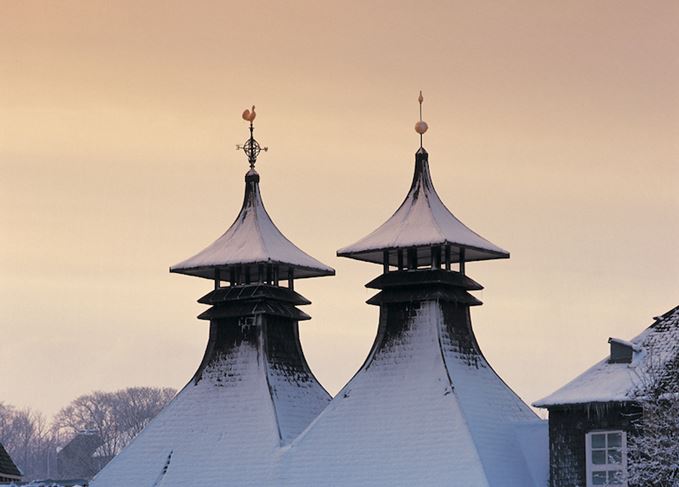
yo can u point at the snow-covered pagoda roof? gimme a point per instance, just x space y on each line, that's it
423 221
421 411
612 381
253 239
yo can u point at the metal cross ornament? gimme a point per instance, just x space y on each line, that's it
251 147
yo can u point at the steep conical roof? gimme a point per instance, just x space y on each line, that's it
228 427
425 409
251 240
423 221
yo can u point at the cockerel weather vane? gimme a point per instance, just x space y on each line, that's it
251 147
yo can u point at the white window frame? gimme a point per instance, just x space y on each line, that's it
606 467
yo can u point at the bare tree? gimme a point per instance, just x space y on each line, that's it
116 417
136 406
28 439
653 448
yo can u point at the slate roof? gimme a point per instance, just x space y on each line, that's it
422 221
7 466
656 348
251 240
425 409
226 429
420 412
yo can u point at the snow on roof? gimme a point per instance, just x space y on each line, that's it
533 439
420 413
625 343
251 240
653 349
225 429
423 221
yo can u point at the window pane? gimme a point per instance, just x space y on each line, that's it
599 457
614 440
615 477
615 457
598 478
599 440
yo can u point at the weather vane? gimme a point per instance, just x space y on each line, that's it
251 146
421 126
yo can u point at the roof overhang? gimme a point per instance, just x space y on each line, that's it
424 253
210 271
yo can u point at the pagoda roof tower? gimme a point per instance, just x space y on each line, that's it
423 223
426 407
253 240
253 392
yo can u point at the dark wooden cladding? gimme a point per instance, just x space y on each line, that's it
263 317
568 426
226 335
436 257
458 322
423 277
412 258
284 350
8 470
454 295
254 299
621 353
402 296
252 292
255 308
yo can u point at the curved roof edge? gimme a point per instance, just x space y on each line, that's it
423 221
253 240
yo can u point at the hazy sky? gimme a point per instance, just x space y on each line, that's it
553 133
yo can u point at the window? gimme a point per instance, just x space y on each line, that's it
606 458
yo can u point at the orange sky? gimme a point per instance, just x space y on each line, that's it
553 133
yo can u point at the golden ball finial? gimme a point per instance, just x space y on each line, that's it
421 126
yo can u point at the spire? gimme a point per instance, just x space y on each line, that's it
253 249
425 390
420 127
423 231
253 392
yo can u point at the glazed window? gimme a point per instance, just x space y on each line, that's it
606 458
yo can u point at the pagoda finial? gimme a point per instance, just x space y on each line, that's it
421 126
251 146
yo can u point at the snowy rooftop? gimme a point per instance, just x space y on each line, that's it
652 350
423 221
226 429
251 240
422 412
